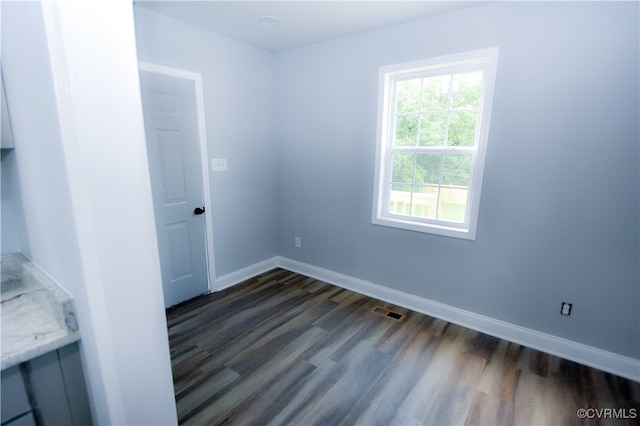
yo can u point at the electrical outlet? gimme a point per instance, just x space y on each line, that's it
297 242
219 164
566 309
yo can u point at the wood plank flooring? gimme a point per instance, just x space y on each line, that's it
285 349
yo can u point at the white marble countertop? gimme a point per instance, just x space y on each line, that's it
37 315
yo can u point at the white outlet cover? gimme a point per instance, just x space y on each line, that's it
219 164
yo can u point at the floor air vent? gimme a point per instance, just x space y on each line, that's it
387 313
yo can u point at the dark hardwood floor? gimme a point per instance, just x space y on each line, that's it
285 349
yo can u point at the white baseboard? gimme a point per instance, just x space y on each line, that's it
244 274
620 365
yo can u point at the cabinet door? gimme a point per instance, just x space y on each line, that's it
49 398
26 420
59 392
74 383
14 395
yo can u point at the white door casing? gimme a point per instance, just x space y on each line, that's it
176 146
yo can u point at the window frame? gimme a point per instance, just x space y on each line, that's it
483 59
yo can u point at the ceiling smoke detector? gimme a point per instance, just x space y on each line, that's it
268 21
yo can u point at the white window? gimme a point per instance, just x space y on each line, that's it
433 124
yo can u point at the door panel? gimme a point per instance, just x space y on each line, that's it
171 167
173 148
180 248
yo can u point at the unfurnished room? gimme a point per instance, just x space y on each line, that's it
320 212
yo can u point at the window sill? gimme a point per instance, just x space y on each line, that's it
427 228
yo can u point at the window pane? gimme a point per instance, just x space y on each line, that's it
402 168
465 90
408 96
456 169
400 199
433 129
406 131
428 169
435 93
431 137
462 128
453 204
425 199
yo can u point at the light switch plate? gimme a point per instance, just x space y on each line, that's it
219 164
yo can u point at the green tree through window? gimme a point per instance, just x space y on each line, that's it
440 111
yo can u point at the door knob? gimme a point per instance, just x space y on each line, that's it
198 210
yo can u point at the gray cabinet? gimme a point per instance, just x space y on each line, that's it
16 408
48 390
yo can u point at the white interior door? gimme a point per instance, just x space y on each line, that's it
173 146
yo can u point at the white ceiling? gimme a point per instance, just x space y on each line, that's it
302 21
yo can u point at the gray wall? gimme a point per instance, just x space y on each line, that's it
559 211
239 103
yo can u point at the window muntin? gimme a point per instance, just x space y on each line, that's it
433 126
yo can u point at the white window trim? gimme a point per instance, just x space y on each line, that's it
487 59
